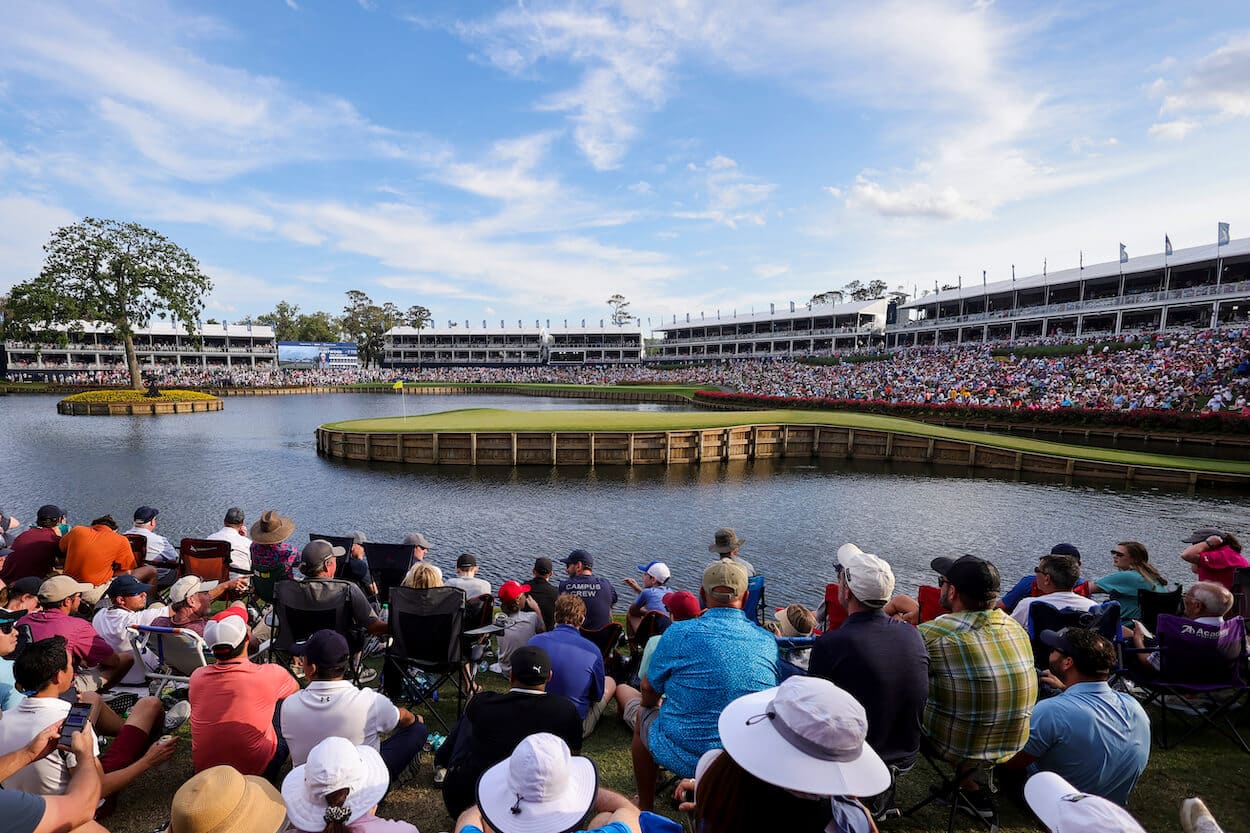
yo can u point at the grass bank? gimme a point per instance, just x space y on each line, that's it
500 420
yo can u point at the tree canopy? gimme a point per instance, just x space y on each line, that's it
289 324
111 273
366 323
620 310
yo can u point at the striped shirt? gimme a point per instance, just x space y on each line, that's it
982 685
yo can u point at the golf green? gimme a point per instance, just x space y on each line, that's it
493 420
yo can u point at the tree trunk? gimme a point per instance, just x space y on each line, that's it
132 364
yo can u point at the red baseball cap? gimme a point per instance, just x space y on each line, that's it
511 590
682 605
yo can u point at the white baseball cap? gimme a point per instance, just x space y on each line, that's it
658 570
805 735
227 629
538 789
188 586
1065 809
868 577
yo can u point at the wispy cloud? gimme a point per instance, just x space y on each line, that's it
1215 87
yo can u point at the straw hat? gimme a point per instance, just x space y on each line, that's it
221 800
271 528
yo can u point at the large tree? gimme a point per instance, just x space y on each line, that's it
418 317
285 321
833 296
366 323
317 326
620 310
112 273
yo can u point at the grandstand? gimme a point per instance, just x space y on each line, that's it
408 347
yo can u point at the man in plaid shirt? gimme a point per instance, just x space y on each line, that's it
982 684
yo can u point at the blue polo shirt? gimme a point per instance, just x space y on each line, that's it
1095 738
598 594
652 599
700 666
9 695
576 666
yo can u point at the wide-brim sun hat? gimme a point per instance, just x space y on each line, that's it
222 800
272 528
540 788
1065 809
333 764
806 735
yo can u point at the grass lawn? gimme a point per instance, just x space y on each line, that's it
1208 766
493 419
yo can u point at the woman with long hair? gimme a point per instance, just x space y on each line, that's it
1133 572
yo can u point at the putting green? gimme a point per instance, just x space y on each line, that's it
485 420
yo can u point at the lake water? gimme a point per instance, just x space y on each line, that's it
259 454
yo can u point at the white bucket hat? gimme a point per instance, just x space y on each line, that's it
333 764
1065 809
541 788
805 735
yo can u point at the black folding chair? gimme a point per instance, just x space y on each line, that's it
427 647
608 640
653 623
298 615
388 563
1241 592
1154 602
1043 616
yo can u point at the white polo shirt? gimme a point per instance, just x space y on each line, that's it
334 708
240 546
111 624
48 775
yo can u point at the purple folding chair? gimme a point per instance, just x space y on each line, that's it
1204 668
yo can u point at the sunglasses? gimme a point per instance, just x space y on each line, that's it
942 582
8 626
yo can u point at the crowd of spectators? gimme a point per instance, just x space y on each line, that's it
961 674
1206 370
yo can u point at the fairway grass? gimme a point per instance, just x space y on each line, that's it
489 420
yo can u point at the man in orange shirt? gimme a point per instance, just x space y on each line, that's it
234 703
96 554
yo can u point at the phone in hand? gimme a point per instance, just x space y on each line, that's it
77 719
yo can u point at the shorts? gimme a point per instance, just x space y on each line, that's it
591 720
129 745
96 593
640 717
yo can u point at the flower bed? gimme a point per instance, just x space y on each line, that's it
135 403
1142 419
130 395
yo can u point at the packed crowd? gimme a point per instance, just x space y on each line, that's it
1199 371
811 719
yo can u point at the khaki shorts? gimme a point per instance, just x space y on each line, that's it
635 716
96 593
592 716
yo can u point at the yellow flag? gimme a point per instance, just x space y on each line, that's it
398 385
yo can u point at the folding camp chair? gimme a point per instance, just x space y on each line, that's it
754 607
139 547
834 613
608 640
929 598
1241 592
388 563
210 560
426 650
178 652
1201 673
950 790
787 648
1154 602
653 623
1043 616
298 616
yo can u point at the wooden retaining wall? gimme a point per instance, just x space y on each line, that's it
714 445
137 408
451 390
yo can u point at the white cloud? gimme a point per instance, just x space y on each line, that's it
914 200
1172 130
770 270
640 187
25 225
731 196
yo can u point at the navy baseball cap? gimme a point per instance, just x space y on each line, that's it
325 649
146 513
127 585
578 557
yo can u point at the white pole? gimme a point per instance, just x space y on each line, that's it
403 402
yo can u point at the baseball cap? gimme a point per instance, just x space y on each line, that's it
543 565
227 630
358 537
416 539
1202 534
509 591
145 513
531 665
234 516
540 787
126 585
868 577
724 574
28 586
1065 809
49 512
188 586
1066 549
318 552
8 522
971 575
466 560
578 557
682 605
325 649
60 588
658 570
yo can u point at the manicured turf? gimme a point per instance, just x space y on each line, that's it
493 419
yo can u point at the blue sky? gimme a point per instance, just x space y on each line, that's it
525 161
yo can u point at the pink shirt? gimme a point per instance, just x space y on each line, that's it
232 706
1218 565
86 646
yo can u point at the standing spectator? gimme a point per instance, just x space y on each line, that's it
982 684
161 553
95 554
1056 576
36 551
98 665
597 593
882 662
337 791
577 665
699 666
1214 555
726 543
1094 737
234 532
543 592
270 550
234 703
1133 573
466 577
519 617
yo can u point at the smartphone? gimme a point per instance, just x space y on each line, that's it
77 719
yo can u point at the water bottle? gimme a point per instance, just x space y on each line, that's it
386 613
